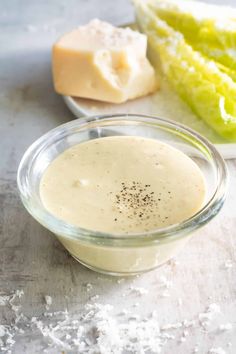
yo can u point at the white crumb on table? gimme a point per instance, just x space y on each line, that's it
121 280
226 327
48 301
207 316
217 350
138 290
171 326
180 302
126 331
89 287
165 294
228 264
188 323
2 331
94 297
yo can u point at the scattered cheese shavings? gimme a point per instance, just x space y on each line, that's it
188 323
207 316
228 264
186 333
167 336
7 332
124 312
165 294
3 300
165 282
48 300
213 308
94 298
218 350
138 291
110 336
180 302
171 326
183 339
97 328
225 327
89 287
2 330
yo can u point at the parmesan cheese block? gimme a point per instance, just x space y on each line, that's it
102 62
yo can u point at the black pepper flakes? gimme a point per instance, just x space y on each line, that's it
135 199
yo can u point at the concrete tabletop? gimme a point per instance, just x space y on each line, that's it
199 285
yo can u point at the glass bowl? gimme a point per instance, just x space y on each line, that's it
120 254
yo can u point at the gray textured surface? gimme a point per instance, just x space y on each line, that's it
30 257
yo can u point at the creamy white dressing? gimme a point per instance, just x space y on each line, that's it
122 184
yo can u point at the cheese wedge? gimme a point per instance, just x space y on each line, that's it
102 62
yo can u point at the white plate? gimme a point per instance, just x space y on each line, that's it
164 103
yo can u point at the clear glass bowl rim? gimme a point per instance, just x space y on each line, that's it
167 234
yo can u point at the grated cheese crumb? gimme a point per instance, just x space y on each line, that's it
209 314
97 328
180 302
138 291
218 350
48 301
165 294
228 264
171 326
3 300
183 339
225 327
165 282
89 287
187 323
119 281
94 298
2 330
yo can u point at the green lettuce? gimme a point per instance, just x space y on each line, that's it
210 29
209 91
